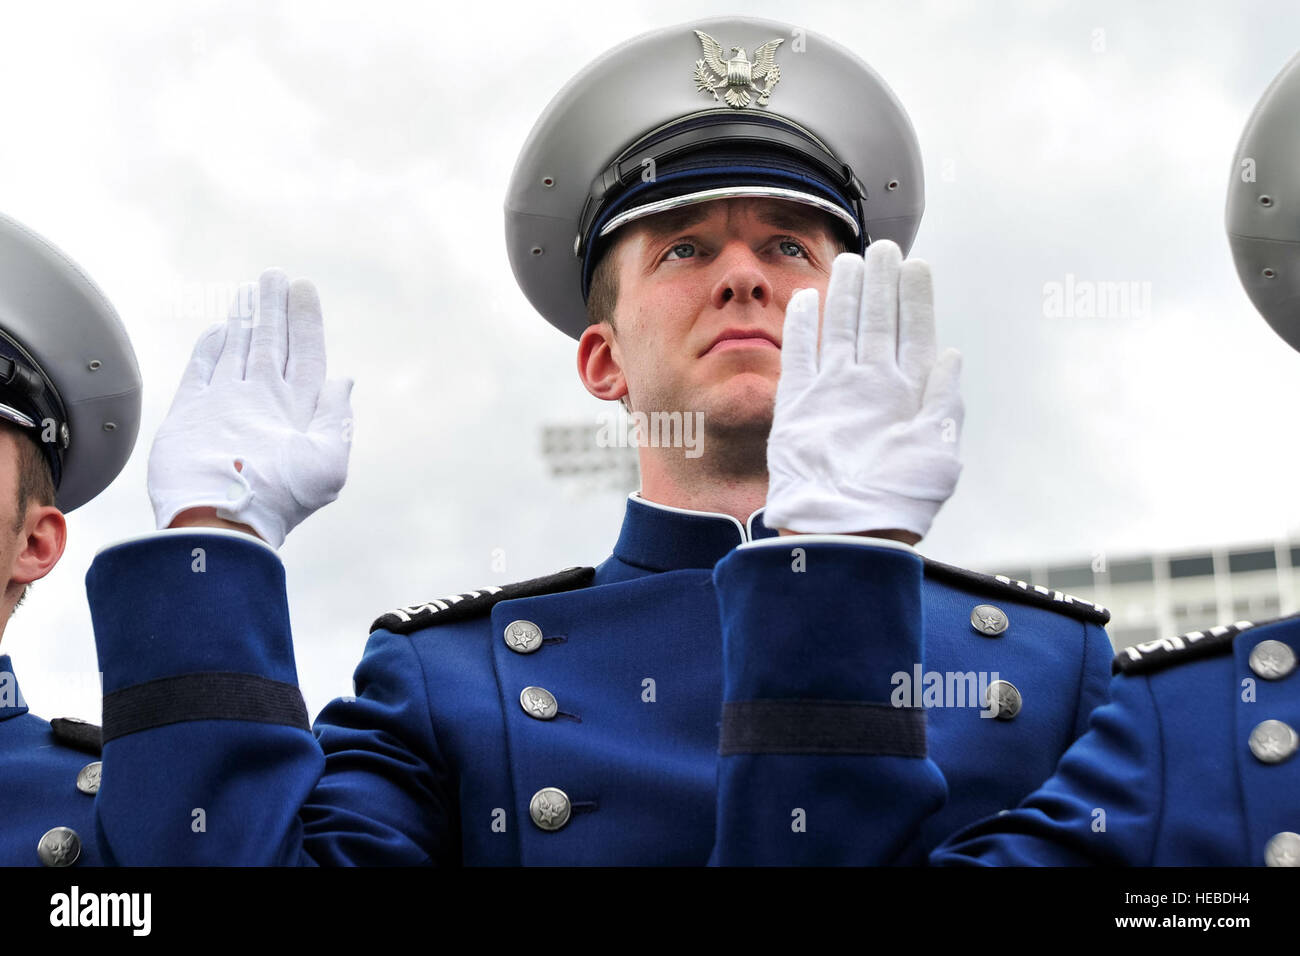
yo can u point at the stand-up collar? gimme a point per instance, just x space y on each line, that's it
664 538
11 698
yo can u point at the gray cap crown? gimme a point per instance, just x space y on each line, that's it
1263 213
649 82
59 320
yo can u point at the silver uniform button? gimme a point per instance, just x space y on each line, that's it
523 637
550 808
1003 699
1283 850
538 702
1272 741
1272 660
88 778
59 847
988 620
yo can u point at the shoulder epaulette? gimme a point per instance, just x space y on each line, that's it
78 734
1156 655
458 607
1032 593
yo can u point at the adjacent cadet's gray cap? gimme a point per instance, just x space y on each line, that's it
67 371
706 110
1264 205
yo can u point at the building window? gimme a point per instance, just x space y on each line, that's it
1191 567
1073 578
1252 561
1131 572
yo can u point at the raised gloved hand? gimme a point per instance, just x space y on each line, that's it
255 394
864 435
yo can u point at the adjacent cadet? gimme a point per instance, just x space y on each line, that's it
1193 762
69 411
714 691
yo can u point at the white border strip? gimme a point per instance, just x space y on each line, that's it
794 540
225 532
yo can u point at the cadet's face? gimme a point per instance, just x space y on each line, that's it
701 304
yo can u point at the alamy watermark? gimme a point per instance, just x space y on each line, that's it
132 911
944 689
215 302
653 430
1076 298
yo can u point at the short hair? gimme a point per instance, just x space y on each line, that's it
35 479
602 298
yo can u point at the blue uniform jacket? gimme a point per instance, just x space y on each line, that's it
39 772
1191 763
711 703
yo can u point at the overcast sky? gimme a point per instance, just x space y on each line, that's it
176 149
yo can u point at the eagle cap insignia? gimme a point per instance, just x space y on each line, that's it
738 75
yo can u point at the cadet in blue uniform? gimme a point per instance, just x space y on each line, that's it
714 691
1192 763
587 702
69 412
1194 760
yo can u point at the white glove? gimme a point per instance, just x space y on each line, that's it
864 436
255 393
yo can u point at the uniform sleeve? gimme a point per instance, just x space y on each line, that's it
207 749
1102 806
1094 686
816 763
208 757
383 797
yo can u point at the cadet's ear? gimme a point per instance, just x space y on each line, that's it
40 544
598 364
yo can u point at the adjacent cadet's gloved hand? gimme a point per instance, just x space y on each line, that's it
255 393
864 435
